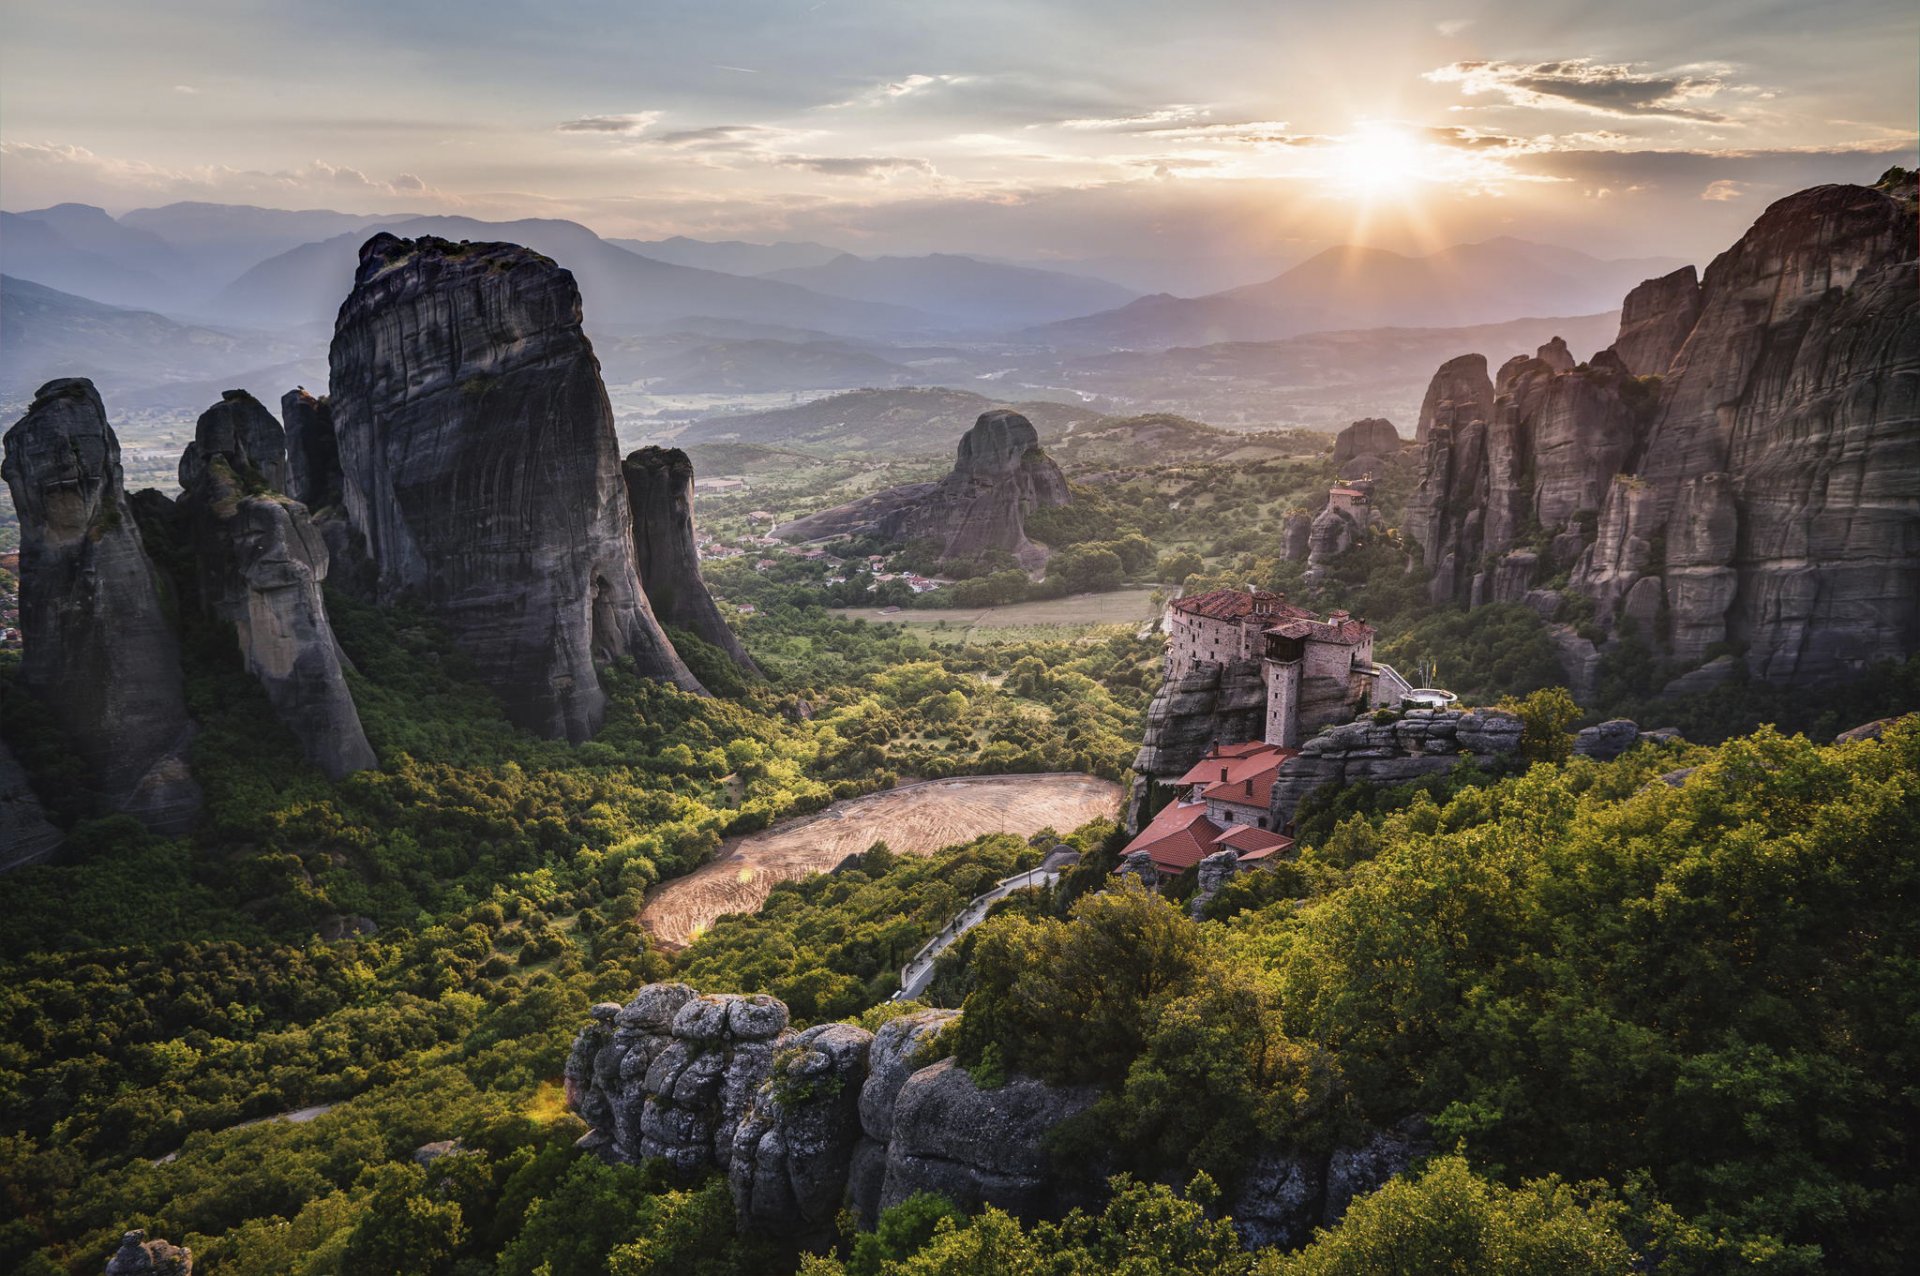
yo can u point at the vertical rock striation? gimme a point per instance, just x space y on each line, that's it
100 649
1365 445
1459 393
479 465
260 562
660 498
1761 496
313 453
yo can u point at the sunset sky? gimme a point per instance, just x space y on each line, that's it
1029 129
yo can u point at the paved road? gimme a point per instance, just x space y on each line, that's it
918 972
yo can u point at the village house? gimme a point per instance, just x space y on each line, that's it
1223 806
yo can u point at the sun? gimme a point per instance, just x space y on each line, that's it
1378 161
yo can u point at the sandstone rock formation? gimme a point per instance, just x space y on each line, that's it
1213 703
1459 394
1421 742
1759 498
138 1256
1364 446
660 497
25 836
1655 320
1214 872
1287 1193
99 645
259 563
805 1122
313 451
999 476
1296 536
479 466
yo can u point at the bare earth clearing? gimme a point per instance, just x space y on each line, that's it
915 819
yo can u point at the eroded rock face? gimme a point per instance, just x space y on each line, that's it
1655 320
1288 1192
25 835
239 428
260 564
1189 714
1421 742
313 451
1365 445
1459 394
793 1147
479 465
660 498
1000 475
1760 495
99 646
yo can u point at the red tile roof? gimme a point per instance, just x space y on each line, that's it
1345 633
1253 843
1179 837
1232 604
1234 757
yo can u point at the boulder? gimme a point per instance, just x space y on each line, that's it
891 1062
1607 740
99 648
1215 871
660 497
1364 446
138 1256
793 1147
479 468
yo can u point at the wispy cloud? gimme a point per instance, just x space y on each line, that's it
1617 90
894 90
619 125
856 165
1175 113
1723 190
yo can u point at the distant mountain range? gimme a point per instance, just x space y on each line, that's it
1352 288
987 295
731 256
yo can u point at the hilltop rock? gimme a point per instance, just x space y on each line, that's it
1365 445
313 451
660 497
260 564
1459 394
239 428
479 466
25 836
99 645
1296 536
1000 475
1655 320
138 1256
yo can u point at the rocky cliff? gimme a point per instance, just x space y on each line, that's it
25 836
807 1123
999 476
1365 446
660 497
99 645
479 467
1421 742
1460 393
259 562
1759 498
313 453
1214 703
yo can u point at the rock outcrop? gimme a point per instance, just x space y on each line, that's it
1000 475
25 836
803 1123
1420 742
99 645
313 451
479 466
1365 446
1211 704
138 1256
660 498
1287 1193
1655 320
1459 394
260 562
1760 497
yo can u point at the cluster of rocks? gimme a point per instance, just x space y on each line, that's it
1000 475
465 462
804 1123
807 1123
138 1256
1420 742
1758 490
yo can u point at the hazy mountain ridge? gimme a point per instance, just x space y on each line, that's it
979 294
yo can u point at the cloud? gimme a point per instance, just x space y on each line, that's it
620 125
894 90
1145 122
408 182
856 165
1724 189
106 177
185 88
1452 26
1616 90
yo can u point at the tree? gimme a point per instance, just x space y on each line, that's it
1545 718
